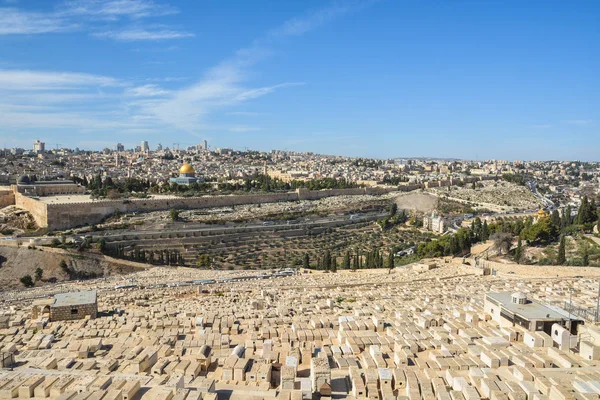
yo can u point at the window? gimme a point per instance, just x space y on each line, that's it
74 311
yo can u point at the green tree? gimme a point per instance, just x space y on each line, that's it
346 262
519 251
586 212
38 274
101 245
555 218
174 214
306 261
561 258
393 209
542 231
326 261
334 264
485 231
27 281
390 260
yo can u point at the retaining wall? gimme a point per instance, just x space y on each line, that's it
38 209
67 215
7 198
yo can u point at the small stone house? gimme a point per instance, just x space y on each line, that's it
75 305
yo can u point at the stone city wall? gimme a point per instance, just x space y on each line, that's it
68 215
7 198
38 209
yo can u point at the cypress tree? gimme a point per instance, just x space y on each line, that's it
390 261
485 231
555 218
327 261
562 254
519 252
346 262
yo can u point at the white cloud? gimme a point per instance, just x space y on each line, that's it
579 121
220 87
140 34
258 92
17 22
114 9
302 25
87 103
41 80
243 128
146 91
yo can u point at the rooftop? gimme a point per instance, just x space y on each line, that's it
74 298
532 310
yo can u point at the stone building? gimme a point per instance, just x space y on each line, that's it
68 306
26 185
434 223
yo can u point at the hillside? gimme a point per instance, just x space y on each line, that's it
16 262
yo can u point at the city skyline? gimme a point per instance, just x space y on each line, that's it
360 79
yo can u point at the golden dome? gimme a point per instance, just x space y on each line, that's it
541 213
186 169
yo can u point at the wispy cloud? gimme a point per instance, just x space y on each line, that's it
41 80
17 22
114 9
579 121
243 128
146 91
132 35
301 25
42 101
223 85
93 16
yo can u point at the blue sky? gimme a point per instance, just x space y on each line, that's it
467 79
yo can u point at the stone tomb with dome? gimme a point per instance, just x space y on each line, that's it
187 176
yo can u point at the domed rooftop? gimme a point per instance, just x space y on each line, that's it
186 169
24 180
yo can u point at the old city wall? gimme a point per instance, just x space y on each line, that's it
7 198
67 215
38 210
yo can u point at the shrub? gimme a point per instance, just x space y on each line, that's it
27 281
38 274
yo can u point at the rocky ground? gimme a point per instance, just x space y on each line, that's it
15 262
417 201
14 220
254 212
495 195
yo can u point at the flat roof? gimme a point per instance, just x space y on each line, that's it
74 298
532 310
